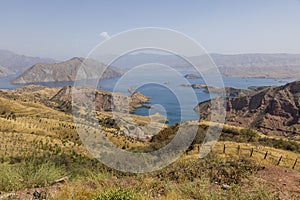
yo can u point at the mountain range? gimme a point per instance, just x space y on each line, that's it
259 65
14 63
239 65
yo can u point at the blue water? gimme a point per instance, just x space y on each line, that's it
166 95
160 95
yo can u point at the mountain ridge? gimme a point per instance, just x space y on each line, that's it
273 109
257 65
18 63
67 71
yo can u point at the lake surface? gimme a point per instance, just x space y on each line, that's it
167 96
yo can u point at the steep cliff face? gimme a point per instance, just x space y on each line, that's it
273 109
71 70
102 100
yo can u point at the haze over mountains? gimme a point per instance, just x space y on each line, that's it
4 71
13 62
259 65
240 65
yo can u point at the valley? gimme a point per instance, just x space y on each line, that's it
149 100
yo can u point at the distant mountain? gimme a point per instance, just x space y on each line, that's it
67 71
19 63
255 60
4 71
239 65
272 110
259 65
129 61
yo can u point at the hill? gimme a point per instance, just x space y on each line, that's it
19 63
42 156
67 71
273 110
104 100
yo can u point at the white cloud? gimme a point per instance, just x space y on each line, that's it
104 35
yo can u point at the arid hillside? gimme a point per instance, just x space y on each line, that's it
43 157
67 71
271 110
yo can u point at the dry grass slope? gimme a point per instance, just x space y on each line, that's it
40 144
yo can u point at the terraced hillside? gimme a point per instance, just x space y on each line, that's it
40 145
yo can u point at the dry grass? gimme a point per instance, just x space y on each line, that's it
259 152
30 130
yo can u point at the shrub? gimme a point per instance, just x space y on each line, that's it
10 179
30 174
117 194
249 135
280 144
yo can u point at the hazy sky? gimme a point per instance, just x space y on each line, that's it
62 29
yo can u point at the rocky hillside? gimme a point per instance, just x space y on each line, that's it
42 157
67 71
272 110
229 91
104 100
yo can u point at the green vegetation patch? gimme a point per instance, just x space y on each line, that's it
28 175
117 194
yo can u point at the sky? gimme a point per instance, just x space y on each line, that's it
62 29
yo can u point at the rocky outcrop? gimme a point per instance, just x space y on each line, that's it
102 100
257 88
274 109
192 76
195 86
71 70
138 100
230 91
